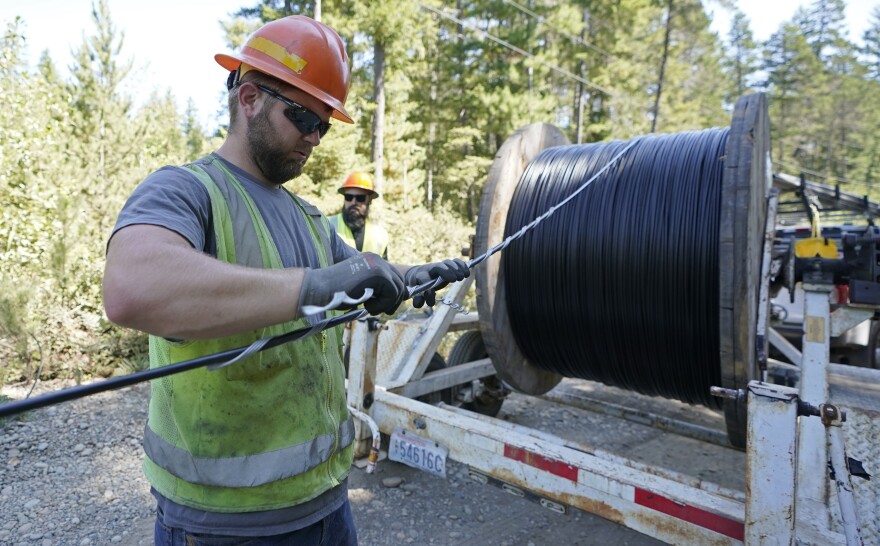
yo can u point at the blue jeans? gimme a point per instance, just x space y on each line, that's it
337 529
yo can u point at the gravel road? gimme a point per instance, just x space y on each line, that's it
71 475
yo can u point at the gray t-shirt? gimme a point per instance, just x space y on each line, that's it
175 199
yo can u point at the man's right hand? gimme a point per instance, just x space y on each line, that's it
352 276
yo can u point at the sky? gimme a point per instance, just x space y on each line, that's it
172 43
766 16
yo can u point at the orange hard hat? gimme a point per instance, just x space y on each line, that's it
303 52
360 180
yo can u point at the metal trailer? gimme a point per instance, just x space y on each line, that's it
789 496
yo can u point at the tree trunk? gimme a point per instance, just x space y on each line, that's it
432 135
579 99
662 66
379 115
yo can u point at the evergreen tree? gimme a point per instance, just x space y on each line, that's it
388 26
794 73
819 97
823 24
589 46
100 111
742 61
634 66
870 159
871 48
196 143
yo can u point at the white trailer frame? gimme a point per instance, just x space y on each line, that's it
787 477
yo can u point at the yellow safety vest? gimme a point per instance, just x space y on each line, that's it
267 432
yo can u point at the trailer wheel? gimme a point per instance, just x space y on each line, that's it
468 348
446 395
873 345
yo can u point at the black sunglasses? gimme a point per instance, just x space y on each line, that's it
360 198
304 119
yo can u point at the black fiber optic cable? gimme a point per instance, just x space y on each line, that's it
622 286
213 361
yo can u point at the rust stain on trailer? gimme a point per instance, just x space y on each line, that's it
369 387
592 506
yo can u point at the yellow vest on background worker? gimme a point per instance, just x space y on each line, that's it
375 236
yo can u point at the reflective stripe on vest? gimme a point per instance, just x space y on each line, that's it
248 470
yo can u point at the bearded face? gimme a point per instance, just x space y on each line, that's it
267 151
355 217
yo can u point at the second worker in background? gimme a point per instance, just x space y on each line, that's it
353 222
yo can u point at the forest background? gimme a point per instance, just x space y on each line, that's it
437 87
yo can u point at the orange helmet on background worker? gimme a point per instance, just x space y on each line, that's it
359 180
315 62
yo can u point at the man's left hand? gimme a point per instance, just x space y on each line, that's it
449 270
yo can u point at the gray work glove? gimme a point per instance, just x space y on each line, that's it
352 276
449 270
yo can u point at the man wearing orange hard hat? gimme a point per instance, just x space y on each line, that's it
353 222
217 254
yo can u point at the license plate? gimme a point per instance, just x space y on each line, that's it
418 452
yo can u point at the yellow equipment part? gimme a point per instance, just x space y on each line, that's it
816 246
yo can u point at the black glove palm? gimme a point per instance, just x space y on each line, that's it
352 276
449 270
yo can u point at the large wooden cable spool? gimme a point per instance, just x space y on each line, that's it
744 184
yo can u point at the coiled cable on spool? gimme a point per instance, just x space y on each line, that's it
621 286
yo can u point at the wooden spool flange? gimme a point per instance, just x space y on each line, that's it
744 188
510 163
